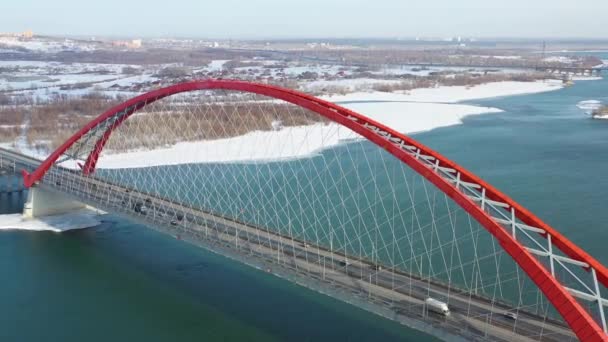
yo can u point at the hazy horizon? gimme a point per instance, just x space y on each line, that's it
313 19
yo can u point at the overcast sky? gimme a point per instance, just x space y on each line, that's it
309 18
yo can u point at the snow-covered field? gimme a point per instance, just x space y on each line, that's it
406 111
426 71
416 111
43 45
559 59
42 80
348 84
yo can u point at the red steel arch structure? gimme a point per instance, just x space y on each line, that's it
478 198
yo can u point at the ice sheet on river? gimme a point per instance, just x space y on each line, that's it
81 219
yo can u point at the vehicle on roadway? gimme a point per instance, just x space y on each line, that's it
437 306
140 208
511 315
345 263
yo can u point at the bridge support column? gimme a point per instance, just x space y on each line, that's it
41 202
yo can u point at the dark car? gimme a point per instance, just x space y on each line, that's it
140 208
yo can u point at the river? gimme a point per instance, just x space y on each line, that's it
122 282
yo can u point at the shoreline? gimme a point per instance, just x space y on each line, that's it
409 112
412 112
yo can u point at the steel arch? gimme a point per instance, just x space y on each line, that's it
408 151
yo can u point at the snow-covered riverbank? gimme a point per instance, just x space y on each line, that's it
454 94
408 112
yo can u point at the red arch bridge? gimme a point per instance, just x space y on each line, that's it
334 201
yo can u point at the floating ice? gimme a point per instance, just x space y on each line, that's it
589 105
80 219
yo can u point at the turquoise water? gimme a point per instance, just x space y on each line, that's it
123 282
544 152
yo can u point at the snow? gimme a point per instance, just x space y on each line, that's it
21 146
296 142
454 94
58 80
349 84
288 143
415 117
405 111
426 71
217 65
559 59
506 57
318 68
416 111
45 45
128 81
48 78
587 78
81 219
28 64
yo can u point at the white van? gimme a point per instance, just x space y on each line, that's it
437 306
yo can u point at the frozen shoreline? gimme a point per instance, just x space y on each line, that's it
409 112
455 94
85 218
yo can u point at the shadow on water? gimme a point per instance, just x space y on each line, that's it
121 281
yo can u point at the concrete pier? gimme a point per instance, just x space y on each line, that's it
42 202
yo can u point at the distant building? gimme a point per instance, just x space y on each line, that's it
129 44
25 34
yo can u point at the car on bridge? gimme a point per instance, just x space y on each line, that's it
140 208
345 263
437 306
